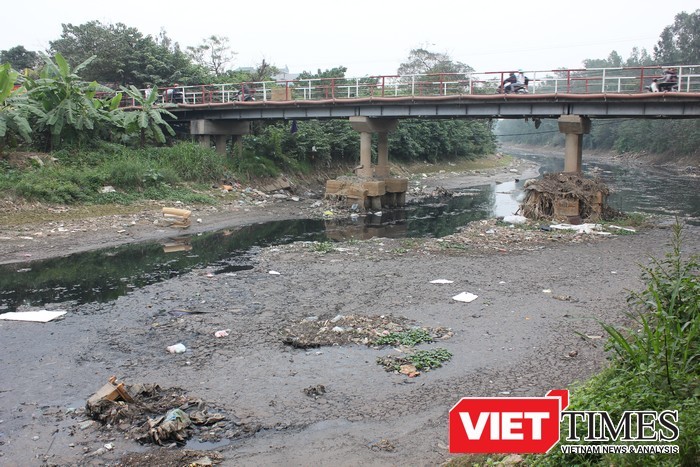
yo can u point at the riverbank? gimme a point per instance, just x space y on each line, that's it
33 232
537 296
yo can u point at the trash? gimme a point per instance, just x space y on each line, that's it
465 297
177 348
178 217
441 281
112 391
581 228
107 189
173 426
274 273
39 316
222 333
546 291
337 318
409 370
515 219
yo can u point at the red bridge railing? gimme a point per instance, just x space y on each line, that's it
626 80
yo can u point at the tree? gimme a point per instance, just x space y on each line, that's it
71 112
213 54
20 58
417 139
679 43
147 118
125 57
337 72
421 61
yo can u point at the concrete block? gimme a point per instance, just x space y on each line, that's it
396 185
377 188
334 187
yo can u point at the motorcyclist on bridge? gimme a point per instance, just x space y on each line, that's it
669 80
515 83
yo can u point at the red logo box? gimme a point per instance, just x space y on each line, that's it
508 425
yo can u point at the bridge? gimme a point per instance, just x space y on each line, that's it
375 104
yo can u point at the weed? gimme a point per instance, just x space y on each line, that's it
411 338
423 360
322 247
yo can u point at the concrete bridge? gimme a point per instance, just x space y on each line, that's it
376 104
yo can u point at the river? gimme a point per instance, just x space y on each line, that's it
116 271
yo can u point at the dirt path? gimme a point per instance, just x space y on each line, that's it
513 339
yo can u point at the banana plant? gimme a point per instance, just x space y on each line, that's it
145 116
12 108
73 109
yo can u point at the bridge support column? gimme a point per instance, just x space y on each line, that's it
221 130
366 126
365 168
382 168
220 142
574 127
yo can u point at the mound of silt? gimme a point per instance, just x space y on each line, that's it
566 196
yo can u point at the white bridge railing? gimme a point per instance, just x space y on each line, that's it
565 81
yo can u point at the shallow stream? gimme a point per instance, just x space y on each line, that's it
113 272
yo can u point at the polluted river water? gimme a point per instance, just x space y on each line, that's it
116 271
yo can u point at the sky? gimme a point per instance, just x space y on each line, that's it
373 37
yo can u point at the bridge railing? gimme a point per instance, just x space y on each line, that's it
623 80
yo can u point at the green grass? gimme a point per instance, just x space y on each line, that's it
167 173
411 338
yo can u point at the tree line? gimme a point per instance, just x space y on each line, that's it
58 103
678 44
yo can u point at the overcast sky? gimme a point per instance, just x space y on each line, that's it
372 37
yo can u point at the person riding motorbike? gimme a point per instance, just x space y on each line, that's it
669 82
508 83
515 83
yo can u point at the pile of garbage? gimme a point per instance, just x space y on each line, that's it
150 414
566 194
312 332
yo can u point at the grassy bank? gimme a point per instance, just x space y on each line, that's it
117 180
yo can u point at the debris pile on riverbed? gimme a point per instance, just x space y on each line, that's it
314 332
566 196
150 414
495 235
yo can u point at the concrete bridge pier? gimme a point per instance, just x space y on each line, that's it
366 126
373 188
204 130
574 127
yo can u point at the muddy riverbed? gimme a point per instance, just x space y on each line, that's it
286 404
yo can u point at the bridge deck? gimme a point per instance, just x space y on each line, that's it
642 105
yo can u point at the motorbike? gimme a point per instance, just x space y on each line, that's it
514 88
245 95
662 87
668 83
